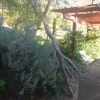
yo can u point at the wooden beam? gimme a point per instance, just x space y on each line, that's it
73 41
69 10
92 19
78 9
77 20
95 22
87 15
74 26
91 9
54 26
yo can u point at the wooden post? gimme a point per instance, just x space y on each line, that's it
54 26
73 41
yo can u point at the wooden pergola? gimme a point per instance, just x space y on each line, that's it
88 15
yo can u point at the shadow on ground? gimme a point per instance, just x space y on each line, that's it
89 82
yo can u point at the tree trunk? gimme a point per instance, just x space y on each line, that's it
62 59
54 26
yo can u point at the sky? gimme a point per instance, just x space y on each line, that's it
80 2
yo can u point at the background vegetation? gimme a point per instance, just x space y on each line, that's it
91 44
66 46
31 65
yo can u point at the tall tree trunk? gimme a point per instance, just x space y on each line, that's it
62 59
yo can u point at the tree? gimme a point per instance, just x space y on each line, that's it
17 12
62 59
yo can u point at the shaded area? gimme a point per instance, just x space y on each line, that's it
89 82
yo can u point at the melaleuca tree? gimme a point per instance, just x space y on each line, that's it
64 62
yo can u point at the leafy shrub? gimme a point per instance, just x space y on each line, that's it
33 65
66 47
2 84
91 44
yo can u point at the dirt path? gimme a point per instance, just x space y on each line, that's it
89 82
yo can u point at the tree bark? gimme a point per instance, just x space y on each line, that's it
61 57
54 26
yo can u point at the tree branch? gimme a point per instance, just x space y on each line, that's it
66 78
35 7
37 13
69 72
47 7
56 44
61 57
71 63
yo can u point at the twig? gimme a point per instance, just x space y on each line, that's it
67 69
67 79
71 63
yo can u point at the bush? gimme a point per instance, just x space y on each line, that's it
66 48
32 66
91 44
2 84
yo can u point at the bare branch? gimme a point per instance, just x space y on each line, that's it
47 7
71 63
35 7
62 59
56 45
66 78
69 72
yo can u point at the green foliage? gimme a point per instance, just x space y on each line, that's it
34 65
91 44
22 12
66 46
2 84
59 83
19 11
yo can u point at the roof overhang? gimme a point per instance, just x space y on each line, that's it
88 8
87 15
